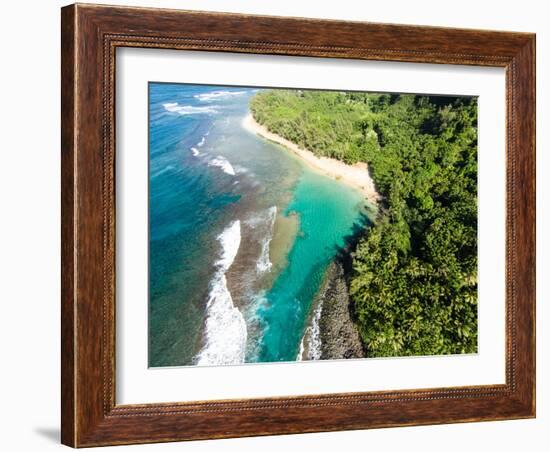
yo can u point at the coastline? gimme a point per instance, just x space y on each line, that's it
356 175
331 332
339 335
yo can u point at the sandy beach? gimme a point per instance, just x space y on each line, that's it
356 175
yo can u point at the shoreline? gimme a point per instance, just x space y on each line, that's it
331 332
356 175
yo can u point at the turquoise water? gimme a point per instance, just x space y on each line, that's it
328 211
241 232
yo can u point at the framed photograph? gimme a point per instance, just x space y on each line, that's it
281 225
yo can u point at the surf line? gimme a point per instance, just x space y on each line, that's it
225 331
264 263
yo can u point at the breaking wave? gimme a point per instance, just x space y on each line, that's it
240 169
300 355
225 328
264 264
222 163
194 149
312 337
174 107
206 97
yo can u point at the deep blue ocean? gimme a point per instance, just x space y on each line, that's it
241 232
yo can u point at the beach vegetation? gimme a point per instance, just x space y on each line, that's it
413 283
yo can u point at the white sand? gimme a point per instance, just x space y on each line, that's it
356 175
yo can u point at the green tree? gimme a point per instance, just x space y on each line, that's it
414 279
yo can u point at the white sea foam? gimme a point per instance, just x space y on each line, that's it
225 328
230 239
240 169
300 355
195 152
314 344
222 163
201 142
174 107
264 264
312 336
208 97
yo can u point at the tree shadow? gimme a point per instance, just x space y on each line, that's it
344 253
358 231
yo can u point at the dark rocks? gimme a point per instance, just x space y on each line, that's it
338 332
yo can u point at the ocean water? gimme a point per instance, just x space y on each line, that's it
240 232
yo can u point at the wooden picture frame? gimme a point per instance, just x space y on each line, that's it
90 35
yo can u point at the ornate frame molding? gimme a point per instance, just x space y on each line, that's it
90 37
